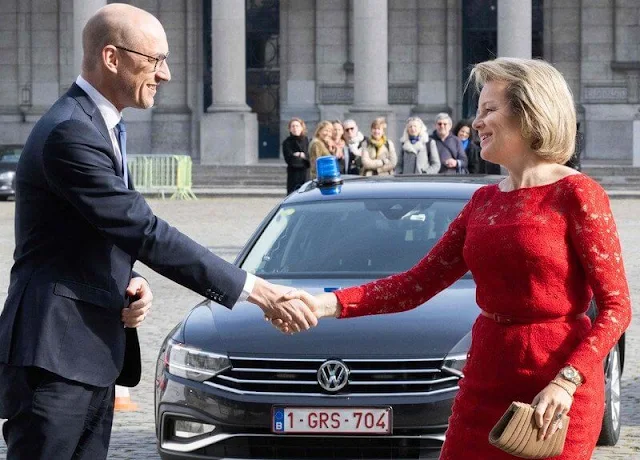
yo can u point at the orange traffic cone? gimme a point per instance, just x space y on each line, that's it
123 400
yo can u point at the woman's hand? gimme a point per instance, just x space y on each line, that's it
553 401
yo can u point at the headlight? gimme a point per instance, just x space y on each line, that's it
193 363
7 176
456 359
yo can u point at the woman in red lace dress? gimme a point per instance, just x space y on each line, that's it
539 244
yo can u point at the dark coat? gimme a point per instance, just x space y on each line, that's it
477 164
78 232
451 147
297 167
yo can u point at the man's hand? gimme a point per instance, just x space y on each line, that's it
451 163
270 298
323 305
140 297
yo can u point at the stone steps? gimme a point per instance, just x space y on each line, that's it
261 175
274 175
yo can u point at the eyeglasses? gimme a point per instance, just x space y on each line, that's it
156 60
350 128
442 124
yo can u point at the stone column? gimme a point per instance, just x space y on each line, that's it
636 140
514 28
228 28
229 130
371 76
370 60
82 11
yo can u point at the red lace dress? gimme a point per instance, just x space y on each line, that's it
535 253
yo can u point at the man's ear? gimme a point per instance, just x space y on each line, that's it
110 58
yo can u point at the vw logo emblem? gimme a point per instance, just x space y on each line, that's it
333 375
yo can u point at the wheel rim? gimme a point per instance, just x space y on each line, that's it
614 389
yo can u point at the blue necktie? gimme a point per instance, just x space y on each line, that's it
122 141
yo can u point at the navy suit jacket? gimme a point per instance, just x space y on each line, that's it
78 232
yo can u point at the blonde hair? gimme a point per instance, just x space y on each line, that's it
301 121
379 122
322 125
421 127
538 94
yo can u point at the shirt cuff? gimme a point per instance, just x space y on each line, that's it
248 287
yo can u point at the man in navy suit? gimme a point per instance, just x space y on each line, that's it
80 227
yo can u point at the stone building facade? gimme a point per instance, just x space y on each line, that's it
241 68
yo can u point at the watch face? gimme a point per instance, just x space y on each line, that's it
569 373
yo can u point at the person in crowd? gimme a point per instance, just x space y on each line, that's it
340 149
471 145
418 152
540 245
295 149
321 145
378 153
354 140
453 160
68 327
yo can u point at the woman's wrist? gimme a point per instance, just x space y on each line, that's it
567 386
330 305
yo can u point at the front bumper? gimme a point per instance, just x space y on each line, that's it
243 425
6 190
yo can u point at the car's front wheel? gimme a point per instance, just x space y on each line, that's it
610 431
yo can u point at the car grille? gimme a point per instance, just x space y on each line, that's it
368 377
297 447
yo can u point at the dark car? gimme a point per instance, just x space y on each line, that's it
228 385
9 156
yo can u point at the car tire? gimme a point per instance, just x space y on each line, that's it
610 431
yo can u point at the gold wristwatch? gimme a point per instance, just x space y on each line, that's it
571 374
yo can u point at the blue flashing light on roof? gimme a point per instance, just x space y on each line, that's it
328 175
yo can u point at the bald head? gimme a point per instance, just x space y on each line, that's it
115 24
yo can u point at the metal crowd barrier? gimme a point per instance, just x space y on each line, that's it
162 174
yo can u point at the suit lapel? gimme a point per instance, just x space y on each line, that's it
93 113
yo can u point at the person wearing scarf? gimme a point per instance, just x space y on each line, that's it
379 154
419 154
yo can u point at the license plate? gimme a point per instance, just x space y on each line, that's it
332 420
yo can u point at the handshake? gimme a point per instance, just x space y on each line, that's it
292 310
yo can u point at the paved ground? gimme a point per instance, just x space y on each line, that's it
223 224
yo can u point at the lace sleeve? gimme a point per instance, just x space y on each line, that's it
443 265
595 239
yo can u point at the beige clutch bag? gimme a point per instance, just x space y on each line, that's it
517 433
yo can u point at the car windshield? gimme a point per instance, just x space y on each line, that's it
350 238
10 156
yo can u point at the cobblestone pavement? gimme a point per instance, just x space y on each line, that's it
224 224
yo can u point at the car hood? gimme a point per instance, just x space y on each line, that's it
429 331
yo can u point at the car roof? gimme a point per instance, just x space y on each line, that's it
404 186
